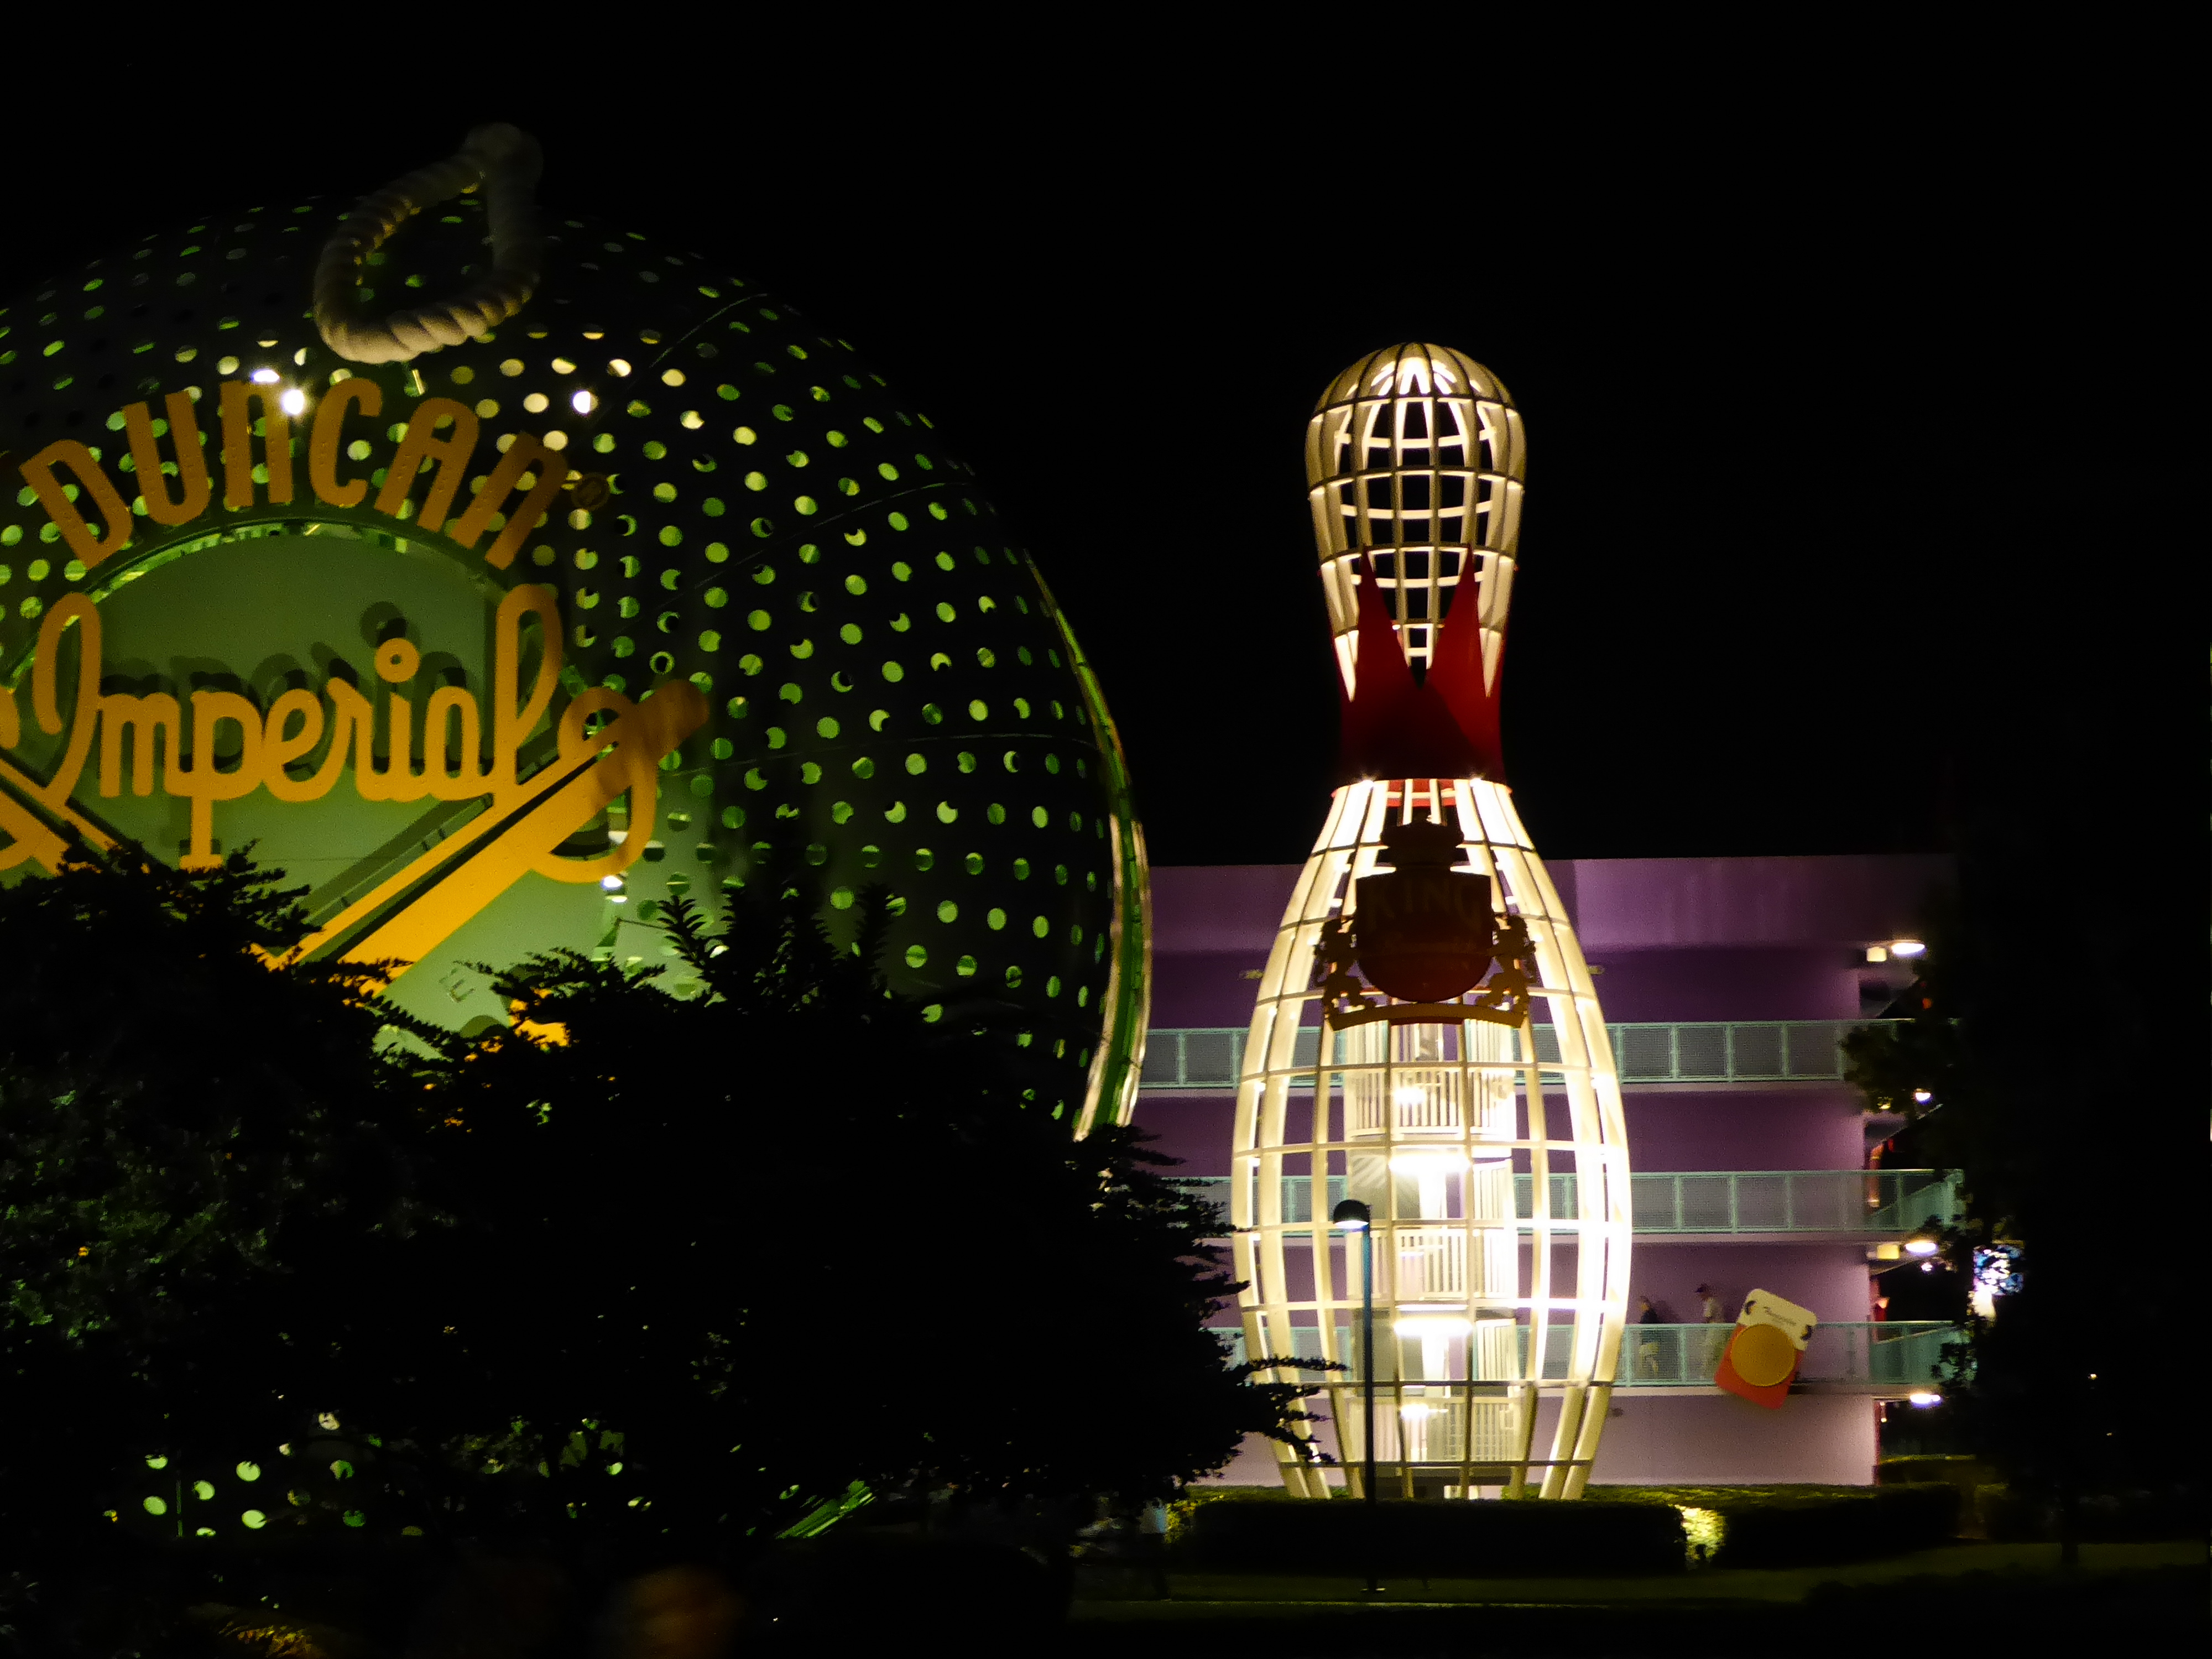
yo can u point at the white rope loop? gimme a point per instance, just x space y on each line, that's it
505 161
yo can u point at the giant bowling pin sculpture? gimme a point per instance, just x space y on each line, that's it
1466 1090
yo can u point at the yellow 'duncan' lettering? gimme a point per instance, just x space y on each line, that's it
239 397
99 523
327 437
193 489
422 443
96 486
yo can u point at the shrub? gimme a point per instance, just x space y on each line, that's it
1437 1539
1804 1526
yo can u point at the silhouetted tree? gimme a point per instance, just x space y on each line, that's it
193 1141
2033 1063
654 1261
786 1229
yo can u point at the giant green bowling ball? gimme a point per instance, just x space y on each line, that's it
752 527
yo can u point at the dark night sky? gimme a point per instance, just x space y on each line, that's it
1842 470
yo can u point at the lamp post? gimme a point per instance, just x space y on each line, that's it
1354 1217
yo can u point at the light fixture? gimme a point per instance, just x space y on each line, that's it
1906 948
583 403
1352 1217
265 377
1877 953
1925 1240
1921 1097
292 401
1925 1398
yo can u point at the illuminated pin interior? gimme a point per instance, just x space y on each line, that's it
1415 457
1497 1320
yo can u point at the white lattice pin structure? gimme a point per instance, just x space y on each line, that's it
1498 1307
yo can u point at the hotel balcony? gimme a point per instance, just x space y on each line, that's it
1877 1360
1702 1053
1744 1206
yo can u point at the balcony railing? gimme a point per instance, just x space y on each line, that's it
1900 1354
1718 1051
1853 1203
1879 1201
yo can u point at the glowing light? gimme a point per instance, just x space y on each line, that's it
1429 1163
1997 1272
1703 1532
1922 1096
611 883
1413 376
1417 1411
1922 1244
1877 953
1925 1398
292 401
1431 1325
265 377
1408 1096
618 365
1907 947
583 403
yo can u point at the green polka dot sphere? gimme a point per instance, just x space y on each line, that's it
889 695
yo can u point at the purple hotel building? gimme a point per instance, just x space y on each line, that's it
1727 984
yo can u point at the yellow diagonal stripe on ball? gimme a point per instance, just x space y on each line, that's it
568 794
